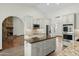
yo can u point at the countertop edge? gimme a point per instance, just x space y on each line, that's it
42 40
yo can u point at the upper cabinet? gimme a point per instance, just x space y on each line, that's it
58 26
60 20
68 19
64 19
77 21
30 21
71 19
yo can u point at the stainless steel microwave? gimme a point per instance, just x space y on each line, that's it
65 29
68 28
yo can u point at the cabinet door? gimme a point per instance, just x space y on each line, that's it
70 19
40 49
77 21
34 50
29 22
52 45
49 47
42 24
37 49
27 48
44 47
64 19
58 26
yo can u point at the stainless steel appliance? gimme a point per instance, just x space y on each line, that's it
68 31
67 37
68 28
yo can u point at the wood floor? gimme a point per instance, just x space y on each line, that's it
20 50
13 46
13 41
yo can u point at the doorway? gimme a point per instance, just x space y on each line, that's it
12 32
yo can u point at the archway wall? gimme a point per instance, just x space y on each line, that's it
21 12
2 18
18 26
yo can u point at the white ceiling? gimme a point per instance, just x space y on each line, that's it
54 7
45 8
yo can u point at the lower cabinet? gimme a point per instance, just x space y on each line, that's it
37 49
42 48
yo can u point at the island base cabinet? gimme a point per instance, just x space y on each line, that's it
53 44
37 49
27 47
41 48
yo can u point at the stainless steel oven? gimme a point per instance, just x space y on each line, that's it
67 36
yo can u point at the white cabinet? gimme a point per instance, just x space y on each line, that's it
58 26
53 42
71 19
37 49
41 48
27 48
64 19
42 22
77 21
46 47
29 22
68 19
35 21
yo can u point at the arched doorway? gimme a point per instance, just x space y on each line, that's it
12 32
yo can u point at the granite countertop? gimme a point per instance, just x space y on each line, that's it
72 50
36 39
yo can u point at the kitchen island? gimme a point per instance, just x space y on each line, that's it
71 50
39 47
